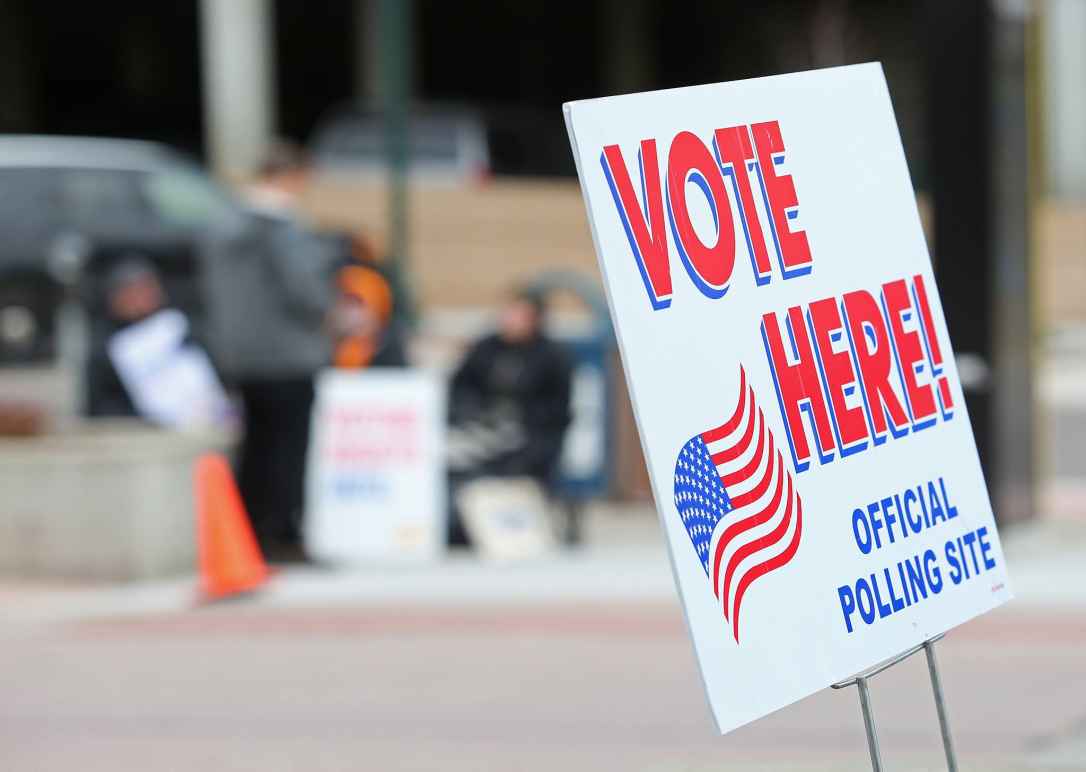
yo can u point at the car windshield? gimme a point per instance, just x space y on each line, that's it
188 199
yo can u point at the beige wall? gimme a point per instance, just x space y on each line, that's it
1060 263
470 245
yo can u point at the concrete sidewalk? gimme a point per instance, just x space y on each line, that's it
624 560
579 661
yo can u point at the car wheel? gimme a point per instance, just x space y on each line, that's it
26 314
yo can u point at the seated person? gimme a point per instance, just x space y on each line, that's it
133 293
143 361
510 402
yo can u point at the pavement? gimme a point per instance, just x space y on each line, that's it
578 661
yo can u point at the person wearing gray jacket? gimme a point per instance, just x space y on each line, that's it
269 286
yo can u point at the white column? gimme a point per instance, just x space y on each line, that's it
237 54
1063 69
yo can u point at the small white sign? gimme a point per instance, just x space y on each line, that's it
170 380
506 517
376 487
793 380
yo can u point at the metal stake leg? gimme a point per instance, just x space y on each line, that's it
860 681
940 707
869 725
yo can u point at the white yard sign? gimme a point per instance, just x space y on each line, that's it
797 399
376 472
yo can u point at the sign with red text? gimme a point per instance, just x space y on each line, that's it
375 487
792 377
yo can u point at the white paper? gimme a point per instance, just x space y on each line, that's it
170 382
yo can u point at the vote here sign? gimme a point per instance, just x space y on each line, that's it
793 380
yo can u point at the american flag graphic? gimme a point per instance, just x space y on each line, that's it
738 502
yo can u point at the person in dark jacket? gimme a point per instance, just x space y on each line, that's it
269 284
509 405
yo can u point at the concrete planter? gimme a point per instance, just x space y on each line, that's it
108 500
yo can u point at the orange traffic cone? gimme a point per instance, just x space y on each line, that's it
229 557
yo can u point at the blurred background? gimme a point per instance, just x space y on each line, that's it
293 234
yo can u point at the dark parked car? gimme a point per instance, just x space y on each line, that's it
445 143
63 200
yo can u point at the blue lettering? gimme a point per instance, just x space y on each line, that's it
900 517
904 584
848 604
918 524
985 547
895 602
969 538
937 512
863 543
864 590
931 571
951 510
916 577
888 516
952 559
961 555
876 523
884 609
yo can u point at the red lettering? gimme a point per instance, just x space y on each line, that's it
895 299
826 328
709 261
935 354
734 148
710 267
871 347
795 252
797 384
645 230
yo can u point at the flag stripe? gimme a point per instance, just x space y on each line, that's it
762 542
757 517
728 426
734 451
758 489
723 476
769 565
747 471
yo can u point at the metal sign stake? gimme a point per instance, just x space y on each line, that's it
940 705
869 724
861 683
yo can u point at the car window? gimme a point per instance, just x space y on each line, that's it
28 202
364 141
439 146
92 197
187 199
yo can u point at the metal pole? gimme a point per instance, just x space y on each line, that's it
940 707
394 18
869 724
